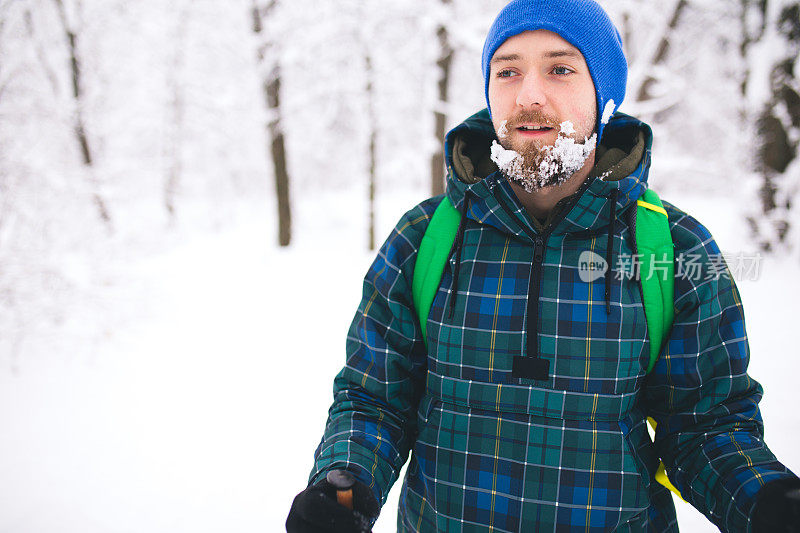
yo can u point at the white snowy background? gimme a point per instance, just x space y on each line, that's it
172 373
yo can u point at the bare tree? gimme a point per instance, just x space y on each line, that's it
270 64
373 141
646 69
79 121
365 32
777 114
661 50
4 81
173 145
443 64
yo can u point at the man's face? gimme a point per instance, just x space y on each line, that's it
538 81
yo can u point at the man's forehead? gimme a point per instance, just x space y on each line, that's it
537 43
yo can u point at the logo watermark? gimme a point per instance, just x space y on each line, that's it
738 266
591 266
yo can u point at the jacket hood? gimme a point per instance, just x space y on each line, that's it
622 164
483 194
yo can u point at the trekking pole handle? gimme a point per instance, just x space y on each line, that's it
343 481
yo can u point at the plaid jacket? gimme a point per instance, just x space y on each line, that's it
493 451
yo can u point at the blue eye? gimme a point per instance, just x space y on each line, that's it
506 73
561 71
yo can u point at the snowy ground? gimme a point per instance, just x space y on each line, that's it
201 413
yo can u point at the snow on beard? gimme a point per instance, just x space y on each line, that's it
535 167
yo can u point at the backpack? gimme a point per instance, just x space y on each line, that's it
653 240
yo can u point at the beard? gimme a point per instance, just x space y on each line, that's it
534 164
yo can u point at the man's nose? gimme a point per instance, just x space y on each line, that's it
532 91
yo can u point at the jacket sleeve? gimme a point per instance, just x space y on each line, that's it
371 423
709 429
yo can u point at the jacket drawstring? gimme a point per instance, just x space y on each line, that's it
457 246
610 247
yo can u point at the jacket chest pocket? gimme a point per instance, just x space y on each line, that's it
594 347
477 329
475 332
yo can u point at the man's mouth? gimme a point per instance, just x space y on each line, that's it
534 128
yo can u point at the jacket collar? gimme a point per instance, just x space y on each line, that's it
493 202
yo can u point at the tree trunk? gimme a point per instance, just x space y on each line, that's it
278 151
645 90
440 118
174 144
271 89
776 118
373 138
79 124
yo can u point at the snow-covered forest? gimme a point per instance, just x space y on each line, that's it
190 190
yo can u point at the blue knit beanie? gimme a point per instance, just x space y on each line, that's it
582 23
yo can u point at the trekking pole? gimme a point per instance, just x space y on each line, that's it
343 481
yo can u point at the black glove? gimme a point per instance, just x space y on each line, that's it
777 507
316 510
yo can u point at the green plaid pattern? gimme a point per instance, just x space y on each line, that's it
492 452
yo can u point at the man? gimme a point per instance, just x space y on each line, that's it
525 406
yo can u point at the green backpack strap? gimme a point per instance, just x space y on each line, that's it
431 259
657 277
657 274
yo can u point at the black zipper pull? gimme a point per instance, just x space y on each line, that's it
538 250
530 368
